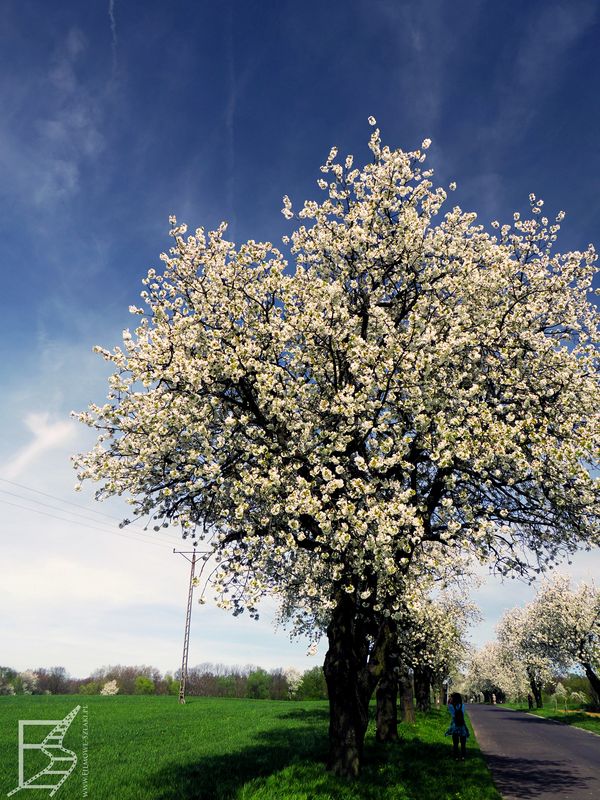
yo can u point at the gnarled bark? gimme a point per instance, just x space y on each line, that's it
536 688
593 678
387 708
387 688
352 670
423 688
407 705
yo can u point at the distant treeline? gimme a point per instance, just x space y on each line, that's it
204 680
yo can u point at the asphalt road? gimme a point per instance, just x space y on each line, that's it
534 759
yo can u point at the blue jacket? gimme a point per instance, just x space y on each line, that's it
461 730
451 709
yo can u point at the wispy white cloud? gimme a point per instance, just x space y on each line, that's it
424 64
82 599
537 63
113 32
42 154
47 435
422 33
62 74
550 34
58 181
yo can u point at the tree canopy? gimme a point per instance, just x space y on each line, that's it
402 378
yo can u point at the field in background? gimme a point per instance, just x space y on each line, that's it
152 748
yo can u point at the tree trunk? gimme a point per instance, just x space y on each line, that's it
444 693
593 678
387 709
423 688
351 672
406 696
387 688
536 688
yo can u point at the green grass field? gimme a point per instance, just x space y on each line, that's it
151 748
579 719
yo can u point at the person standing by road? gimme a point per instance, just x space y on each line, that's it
458 726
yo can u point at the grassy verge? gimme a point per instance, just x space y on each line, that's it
579 719
151 748
419 767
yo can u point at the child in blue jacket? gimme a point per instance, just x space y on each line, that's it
458 728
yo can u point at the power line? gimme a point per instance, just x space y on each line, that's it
54 497
134 532
68 502
147 536
131 537
46 505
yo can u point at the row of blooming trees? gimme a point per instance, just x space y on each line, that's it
14 682
514 636
402 379
557 632
438 646
565 627
431 645
496 670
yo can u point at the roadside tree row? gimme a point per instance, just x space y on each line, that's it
557 633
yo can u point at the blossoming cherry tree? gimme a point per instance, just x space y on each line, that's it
401 378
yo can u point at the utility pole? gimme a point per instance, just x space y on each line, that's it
188 618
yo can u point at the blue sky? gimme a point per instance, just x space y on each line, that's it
117 114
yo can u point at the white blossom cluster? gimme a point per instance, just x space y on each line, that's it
435 570
29 681
110 689
409 378
293 679
564 695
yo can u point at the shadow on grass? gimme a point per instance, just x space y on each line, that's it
291 764
307 715
220 777
575 721
570 718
